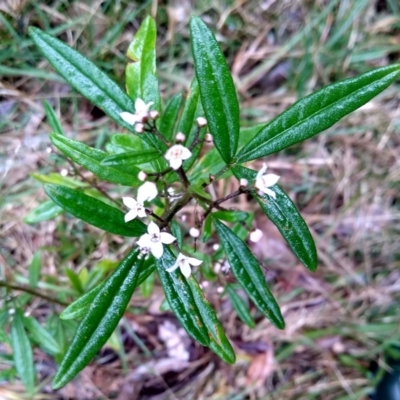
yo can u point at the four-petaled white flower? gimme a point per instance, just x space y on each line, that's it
141 113
176 154
264 182
136 209
154 240
183 263
147 192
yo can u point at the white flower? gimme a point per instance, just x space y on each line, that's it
176 154
141 113
183 263
264 182
147 192
136 209
154 240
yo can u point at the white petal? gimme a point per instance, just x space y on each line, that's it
269 192
128 118
157 249
141 212
185 269
173 268
140 105
144 240
175 163
130 202
147 192
270 180
261 171
186 153
153 229
167 238
194 261
168 154
130 215
259 184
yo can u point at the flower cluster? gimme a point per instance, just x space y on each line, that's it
264 182
142 113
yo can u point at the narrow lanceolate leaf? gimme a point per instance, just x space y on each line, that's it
79 307
141 75
180 298
217 91
43 212
219 343
94 211
248 273
34 269
41 335
91 159
84 76
101 319
170 116
317 112
240 307
284 214
52 118
22 352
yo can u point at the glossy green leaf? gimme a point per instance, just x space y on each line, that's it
41 335
141 74
123 160
170 117
122 143
231 216
219 343
318 111
57 179
101 319
248 273
240 307
34 269
74 279
180 298
146 288
84 76
207 229
79 307
94 211
43 212
52 118
91 159
22 352
177 232
217 90
284 214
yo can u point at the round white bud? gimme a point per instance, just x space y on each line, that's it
201 122
142 176
139 127
243 182
220 289
154 114
208 138
180 137
194 232
256 235
216 246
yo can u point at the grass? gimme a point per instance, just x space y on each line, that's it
342 320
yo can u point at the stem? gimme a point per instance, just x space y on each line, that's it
32 292
176 208
183 176
196 140
217 175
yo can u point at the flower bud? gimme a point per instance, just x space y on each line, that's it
139 127
256 235
194 232
142 176
154 114
201 122
180 137
243 182
208 138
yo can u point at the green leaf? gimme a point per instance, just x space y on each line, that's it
240 307
79 307
284 214
103 316
177 232
123 143
41 335
94 211
231 216
180 298
43 212
146 288
217 91
170 116
141 74
58 180
207 229
74 279
123 160
248 273
34 269
91 159
22 352
317 112
84 76
52 118
219 343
